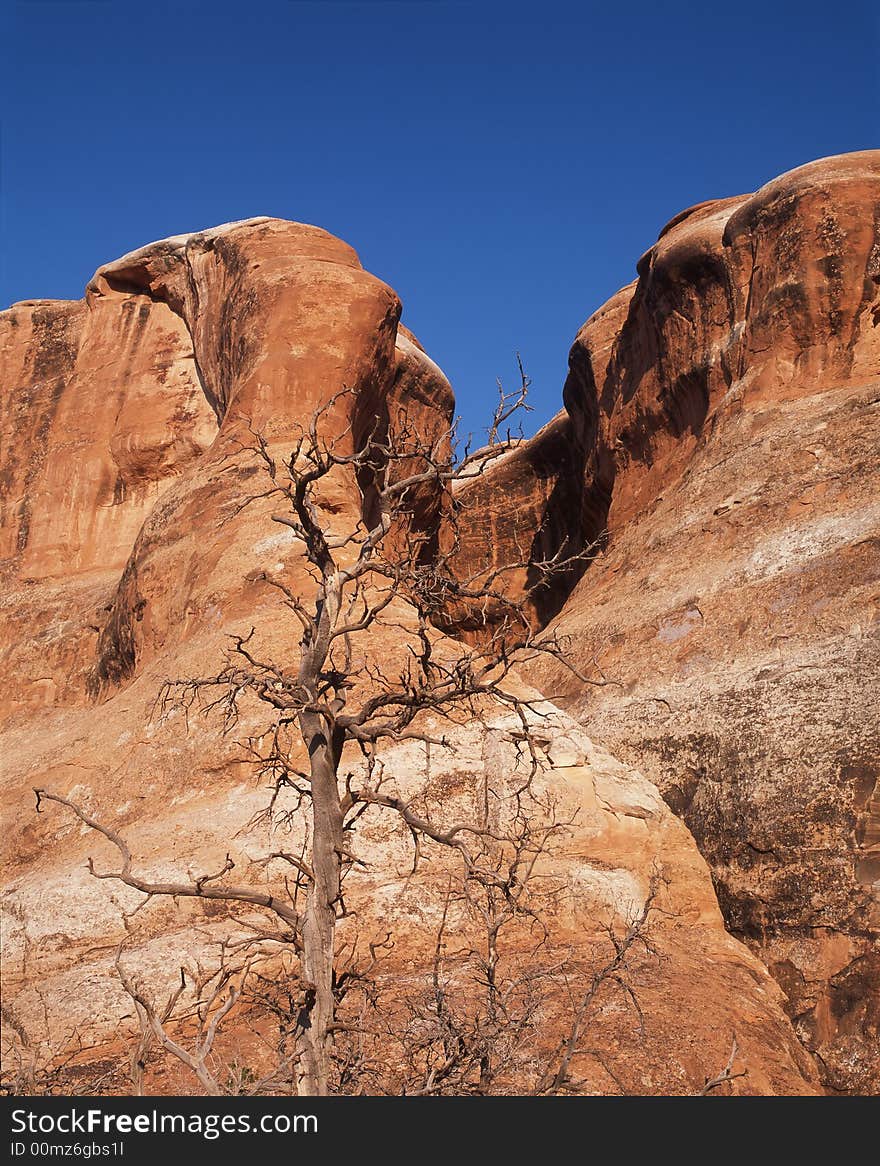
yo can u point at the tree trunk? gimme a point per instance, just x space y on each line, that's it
319 924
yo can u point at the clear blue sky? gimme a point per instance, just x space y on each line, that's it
502 166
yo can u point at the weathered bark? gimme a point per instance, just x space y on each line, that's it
319 923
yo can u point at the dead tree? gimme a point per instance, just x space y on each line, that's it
397 566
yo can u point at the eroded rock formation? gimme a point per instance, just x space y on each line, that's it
717 446
723 410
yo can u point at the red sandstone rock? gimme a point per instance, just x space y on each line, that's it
723 412
130 562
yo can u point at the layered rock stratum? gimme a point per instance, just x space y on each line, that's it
718 447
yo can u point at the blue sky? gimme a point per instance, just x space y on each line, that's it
502 166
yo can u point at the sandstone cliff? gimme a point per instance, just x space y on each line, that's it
716 427
720 438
